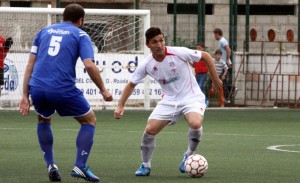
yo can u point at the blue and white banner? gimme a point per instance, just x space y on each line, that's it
115 69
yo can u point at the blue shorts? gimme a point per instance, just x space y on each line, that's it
70 103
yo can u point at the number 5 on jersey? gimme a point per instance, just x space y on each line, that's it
54 45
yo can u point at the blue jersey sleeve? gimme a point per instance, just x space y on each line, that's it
85 49
35 44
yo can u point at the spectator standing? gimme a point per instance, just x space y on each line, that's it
201 71
5 45
223 46
229 90
222 70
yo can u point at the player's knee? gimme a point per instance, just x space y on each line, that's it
43 120
92 121
150 130
195 124
91 118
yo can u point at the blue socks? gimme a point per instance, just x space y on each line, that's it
84 144
45 137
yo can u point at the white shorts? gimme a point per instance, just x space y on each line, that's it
171 112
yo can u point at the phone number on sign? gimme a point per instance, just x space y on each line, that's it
92 91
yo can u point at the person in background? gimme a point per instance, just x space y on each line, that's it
222 70
5 45
201 71
229 90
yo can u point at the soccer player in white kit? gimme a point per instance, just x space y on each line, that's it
181 94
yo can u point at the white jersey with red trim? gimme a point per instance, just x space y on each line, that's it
173 74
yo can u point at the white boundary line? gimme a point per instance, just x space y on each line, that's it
166 132
273 148
277 148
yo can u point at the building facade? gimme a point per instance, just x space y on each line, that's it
265 15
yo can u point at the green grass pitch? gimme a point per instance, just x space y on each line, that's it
234 143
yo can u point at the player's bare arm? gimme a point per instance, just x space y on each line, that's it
212 70
93 72
125 95
24 104
228 54
224 74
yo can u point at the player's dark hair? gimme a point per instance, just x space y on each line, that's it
218 31
73 12
218 51
152 32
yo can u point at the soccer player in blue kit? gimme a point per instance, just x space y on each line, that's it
50 80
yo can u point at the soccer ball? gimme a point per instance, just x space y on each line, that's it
195 165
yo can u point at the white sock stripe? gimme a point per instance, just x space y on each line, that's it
77 170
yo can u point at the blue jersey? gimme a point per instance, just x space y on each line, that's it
57 48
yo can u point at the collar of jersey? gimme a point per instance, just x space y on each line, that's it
166 54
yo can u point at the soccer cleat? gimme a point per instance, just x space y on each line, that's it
181 165
53 173
143 171
84 173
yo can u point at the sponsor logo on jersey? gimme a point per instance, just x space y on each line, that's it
168 81
57 31
173 67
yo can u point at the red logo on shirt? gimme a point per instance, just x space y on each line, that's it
155 68
164 81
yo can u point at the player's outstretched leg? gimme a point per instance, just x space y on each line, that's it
53 173
194 139
147 147
84 144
